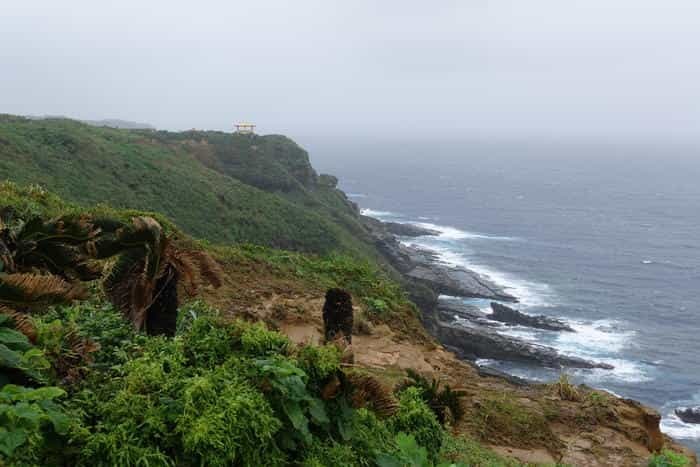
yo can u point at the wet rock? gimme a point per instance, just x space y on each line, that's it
474 342
424 267
458 281
688 414
448 309
508 315
409 230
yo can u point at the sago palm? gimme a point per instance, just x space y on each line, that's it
143 283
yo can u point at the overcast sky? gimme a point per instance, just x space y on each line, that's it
595 69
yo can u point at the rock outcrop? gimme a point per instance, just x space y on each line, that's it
458 281
689 414
506 314
474 342
425 267
476 337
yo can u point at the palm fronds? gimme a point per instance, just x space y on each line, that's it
444 401
366 391
21 322
144 279
29 290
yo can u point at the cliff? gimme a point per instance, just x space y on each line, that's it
255 198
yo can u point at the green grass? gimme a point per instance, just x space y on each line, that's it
216 186
501 418
667 458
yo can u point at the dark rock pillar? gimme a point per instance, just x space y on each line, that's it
337 316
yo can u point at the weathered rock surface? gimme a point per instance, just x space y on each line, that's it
506 314
409 230
458 281
447 309
473 342
423 266
689 414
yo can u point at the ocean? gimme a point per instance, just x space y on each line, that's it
605 236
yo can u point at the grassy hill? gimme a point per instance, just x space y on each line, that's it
213 185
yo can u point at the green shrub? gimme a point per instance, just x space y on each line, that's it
99 322
667 458
225 421
207 342
368 436
292 401
192 311
20 361
29 420
330 454
258 341
415 418
407 454
319 362
444 401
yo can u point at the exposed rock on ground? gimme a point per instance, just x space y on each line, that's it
508 315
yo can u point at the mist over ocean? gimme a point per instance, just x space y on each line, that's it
604 236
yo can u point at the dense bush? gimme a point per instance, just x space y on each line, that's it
31 423
668 458
219 393
414 417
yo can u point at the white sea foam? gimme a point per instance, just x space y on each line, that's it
625 371
356 195
602 336
378 214
677 428
484 361
521 332
529 293
596 340
453 233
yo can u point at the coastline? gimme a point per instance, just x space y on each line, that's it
449 314
439 290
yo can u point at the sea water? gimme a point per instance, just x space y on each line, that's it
604 236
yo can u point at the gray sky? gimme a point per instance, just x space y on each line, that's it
607 69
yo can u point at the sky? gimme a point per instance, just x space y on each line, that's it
550 69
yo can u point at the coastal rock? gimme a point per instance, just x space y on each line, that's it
508 315
474 342
409 230
688 414
458 281
424 267
448 309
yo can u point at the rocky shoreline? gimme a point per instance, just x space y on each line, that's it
438 289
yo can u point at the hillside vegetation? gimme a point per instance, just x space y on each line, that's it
79 385
215 186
